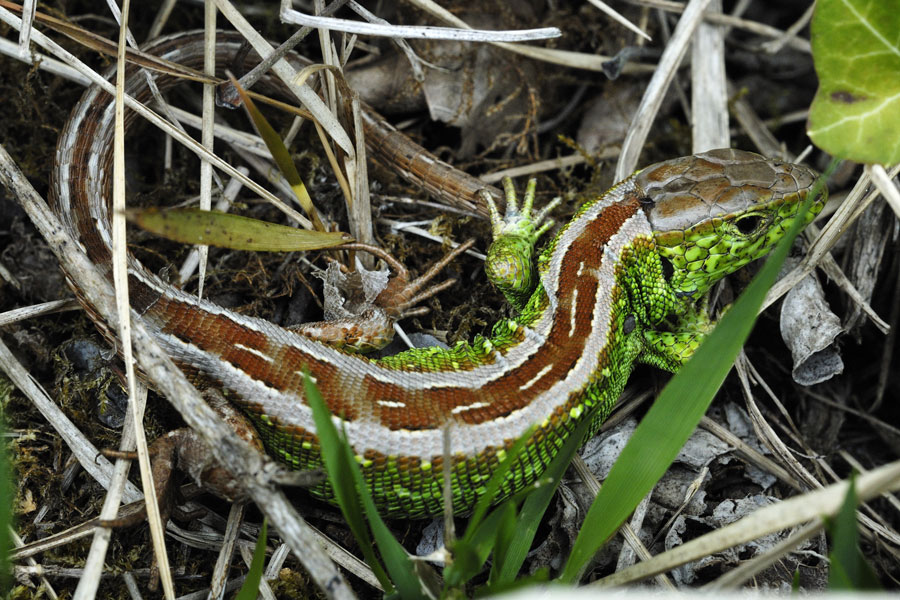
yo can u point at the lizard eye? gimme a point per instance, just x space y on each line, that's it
748 224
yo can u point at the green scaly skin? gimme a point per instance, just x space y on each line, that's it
668 322
395 410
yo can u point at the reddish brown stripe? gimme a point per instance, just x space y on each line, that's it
219 336
79 175
357 399
425 409
290 363
433 408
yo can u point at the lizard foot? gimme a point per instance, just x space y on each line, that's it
372 327
509 260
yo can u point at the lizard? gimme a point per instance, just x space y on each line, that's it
622 282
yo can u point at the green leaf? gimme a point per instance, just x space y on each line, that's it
849 569
250 589
496 480
402 571
856 50
505 532
509 540
538 578
350 489
472 549
214 228
675 414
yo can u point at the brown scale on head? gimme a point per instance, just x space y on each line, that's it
724 207
688 190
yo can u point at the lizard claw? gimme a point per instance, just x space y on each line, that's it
400 295
519 222
372 327
509 261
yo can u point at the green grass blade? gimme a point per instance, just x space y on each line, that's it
225 230
674 416
471 552
510 545
508 564
849 569
494 483
281 155
353 490
472 549
340 476
538 578
505 531
401 569
250 589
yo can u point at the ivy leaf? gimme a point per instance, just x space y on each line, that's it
856 49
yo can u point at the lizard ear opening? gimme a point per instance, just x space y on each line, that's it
647 204
668 269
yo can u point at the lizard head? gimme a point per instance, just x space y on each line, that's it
714 212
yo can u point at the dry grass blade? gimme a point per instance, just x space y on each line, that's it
46 63
750 454
886 186
207 136
758 131
359 204
29 312
618 18
45 583
162 16
757 564
709 99
656 89
784 514
28 9
289 15
577 60
767 434
108 47
159 369
137 394
731 21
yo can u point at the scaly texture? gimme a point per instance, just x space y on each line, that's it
618 284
